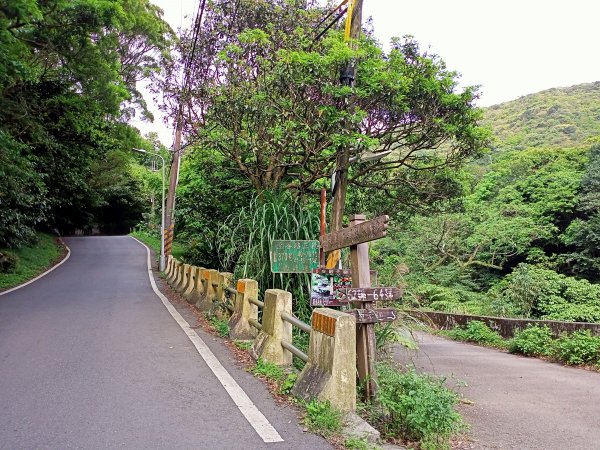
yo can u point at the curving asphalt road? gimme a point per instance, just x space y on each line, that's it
518 403
91 359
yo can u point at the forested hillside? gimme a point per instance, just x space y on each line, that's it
524 237
556 118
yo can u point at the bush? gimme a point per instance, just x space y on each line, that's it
8 262
416 407
532 341
578 348
478 332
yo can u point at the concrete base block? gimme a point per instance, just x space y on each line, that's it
239 325
356 427
207 301
267 345
330 373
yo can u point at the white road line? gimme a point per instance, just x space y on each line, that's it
258 421
41 275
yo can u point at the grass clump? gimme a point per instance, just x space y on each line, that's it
268 370
29 261
415 407
243 345
478 332
322 418
221 326
532 341
578 348
360 444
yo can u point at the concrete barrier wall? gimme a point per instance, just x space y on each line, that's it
504 326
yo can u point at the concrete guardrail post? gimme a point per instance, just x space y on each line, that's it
330 373
224 279
206 303
168 266
185 272
267 345
177 266
239 326
189 284
190 294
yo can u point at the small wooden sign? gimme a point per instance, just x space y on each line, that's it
373 315
356 234
294 256
385 294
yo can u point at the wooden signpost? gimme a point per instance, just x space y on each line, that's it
379 294
361 294
373 315
359 233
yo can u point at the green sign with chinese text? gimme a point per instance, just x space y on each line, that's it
294 256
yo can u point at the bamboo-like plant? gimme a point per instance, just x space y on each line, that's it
244 242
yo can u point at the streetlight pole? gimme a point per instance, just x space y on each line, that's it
161 264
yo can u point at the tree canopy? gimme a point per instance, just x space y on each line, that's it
68 73
268 97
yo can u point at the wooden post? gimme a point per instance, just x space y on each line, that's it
343 154
323 224
365 333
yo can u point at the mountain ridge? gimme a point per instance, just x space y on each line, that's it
552 118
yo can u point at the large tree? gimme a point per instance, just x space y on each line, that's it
268 97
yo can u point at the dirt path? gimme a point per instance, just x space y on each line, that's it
518 403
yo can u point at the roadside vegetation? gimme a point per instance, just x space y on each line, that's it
152 240
579 348
26 262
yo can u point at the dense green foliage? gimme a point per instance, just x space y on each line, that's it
532 341
556 118
269 117
68 73
415 407
477 332
29 260
520 242
577 348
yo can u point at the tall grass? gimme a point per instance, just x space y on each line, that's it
244 241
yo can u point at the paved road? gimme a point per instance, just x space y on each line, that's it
519 403
91 359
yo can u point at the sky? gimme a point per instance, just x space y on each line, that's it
509 48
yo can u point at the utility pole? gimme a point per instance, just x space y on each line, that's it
347 77
174 174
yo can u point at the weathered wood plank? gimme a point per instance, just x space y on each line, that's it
367 316
372 294
356 234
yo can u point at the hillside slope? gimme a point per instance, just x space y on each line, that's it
555 118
